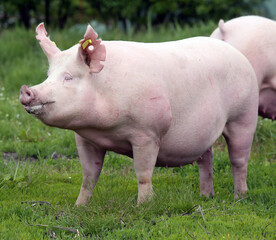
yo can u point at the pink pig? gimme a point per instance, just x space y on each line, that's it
164 104
255 37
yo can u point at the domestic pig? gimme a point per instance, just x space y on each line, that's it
255 37
163 104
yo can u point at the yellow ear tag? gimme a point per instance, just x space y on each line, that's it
54 43
86 43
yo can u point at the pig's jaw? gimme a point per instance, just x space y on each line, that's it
33 109
36 109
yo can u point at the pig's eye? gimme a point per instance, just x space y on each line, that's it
68 78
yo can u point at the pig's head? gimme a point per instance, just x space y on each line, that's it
65 98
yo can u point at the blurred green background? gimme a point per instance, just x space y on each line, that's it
127 14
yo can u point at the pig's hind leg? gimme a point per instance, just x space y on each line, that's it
205 167
91 160
239 136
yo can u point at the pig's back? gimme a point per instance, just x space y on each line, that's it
199 67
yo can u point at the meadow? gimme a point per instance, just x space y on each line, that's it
40 173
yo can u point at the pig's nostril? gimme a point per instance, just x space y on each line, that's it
26 95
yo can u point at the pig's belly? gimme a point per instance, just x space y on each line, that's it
186 141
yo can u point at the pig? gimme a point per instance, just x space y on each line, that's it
163 104
254 36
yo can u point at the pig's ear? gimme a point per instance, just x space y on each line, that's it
92 50
49 47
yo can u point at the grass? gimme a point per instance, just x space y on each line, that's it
46 168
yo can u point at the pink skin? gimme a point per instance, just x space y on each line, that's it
164 104
255 37
267 103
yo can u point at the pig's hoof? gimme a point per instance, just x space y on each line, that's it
207 191
144 199
77 204
81 202
208 195
240 195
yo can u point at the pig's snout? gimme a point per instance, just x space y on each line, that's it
26 95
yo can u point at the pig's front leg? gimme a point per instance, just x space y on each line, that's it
205 167
91 159
145 156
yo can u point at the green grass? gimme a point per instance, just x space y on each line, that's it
47 169
113 213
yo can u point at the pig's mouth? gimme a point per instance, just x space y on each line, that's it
36 109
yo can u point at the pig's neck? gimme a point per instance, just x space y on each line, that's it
100 115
